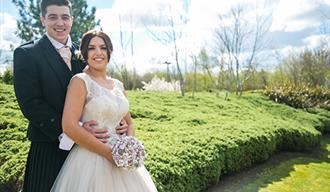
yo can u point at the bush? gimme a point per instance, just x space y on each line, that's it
300 96
8 76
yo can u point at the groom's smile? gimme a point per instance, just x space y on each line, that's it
58 22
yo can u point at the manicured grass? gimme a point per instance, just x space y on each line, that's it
285 171
311 177
305 177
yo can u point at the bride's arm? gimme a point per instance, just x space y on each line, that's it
130 128
129 122
74 103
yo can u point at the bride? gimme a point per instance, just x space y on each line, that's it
93 95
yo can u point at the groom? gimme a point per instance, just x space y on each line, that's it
42 71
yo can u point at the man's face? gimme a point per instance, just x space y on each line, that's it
58 22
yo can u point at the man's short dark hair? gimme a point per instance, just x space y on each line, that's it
45 3
87 38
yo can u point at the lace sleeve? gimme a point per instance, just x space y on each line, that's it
83 77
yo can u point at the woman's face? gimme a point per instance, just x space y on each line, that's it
97 56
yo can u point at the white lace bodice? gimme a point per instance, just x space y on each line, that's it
103 105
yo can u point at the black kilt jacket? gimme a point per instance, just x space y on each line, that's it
41 78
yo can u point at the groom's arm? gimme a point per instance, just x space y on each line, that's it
100 133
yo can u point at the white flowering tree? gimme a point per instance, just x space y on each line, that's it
157 84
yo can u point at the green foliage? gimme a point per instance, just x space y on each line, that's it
203 82
13 142
300 96
191 142
257 80
29 25
130 79
195 137
309 67
7 76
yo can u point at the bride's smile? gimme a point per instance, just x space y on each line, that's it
97 54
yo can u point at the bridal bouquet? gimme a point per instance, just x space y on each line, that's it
128 152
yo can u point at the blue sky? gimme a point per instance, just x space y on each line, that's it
295 25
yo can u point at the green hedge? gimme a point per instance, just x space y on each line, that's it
193 137
190 142
13 143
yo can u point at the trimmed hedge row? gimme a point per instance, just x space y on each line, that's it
190 142
204 138
13 142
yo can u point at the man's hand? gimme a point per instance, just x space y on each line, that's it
122 127
100 133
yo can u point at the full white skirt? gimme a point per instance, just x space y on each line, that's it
85 171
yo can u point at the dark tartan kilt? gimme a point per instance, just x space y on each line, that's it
43 164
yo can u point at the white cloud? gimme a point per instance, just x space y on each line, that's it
315 41
144 10
146 58
109 19
286 15
147 52
203 17
326 2
7 31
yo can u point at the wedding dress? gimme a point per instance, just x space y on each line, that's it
86 171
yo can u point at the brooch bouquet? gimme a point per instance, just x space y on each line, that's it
128 152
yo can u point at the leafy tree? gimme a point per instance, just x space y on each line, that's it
310 67
30 27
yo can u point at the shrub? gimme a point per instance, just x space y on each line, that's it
8 76
300 96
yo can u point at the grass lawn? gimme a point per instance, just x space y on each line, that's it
305 177
284 172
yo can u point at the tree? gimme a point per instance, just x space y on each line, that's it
309 67
208 64
130 80
195 76
169 22
30 27
239 42
325 24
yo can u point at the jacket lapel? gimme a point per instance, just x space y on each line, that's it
55 61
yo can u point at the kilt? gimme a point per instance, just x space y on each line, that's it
43 164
